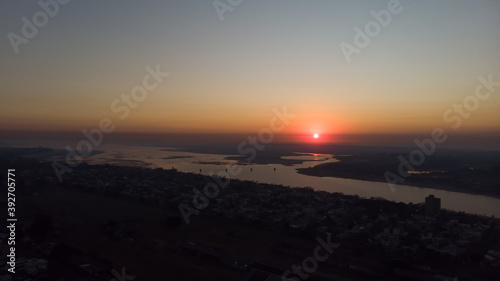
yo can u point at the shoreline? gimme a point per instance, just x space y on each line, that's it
341 169
310 172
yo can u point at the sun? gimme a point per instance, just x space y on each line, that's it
316 136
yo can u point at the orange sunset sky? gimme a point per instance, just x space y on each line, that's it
226 77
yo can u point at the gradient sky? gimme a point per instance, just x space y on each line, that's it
227 76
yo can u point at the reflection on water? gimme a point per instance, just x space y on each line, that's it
310 157
286 175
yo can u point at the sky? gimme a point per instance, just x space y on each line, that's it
230 70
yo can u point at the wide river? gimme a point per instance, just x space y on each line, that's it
287 175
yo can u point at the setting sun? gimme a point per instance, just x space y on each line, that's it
316 136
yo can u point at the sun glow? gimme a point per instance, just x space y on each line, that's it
316 136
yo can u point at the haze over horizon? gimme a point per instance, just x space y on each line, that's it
226 77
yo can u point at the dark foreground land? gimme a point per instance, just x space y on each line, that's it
103 219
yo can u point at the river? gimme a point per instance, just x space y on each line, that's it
286 175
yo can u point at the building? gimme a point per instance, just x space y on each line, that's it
432 205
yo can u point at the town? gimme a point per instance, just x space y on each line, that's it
374 239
